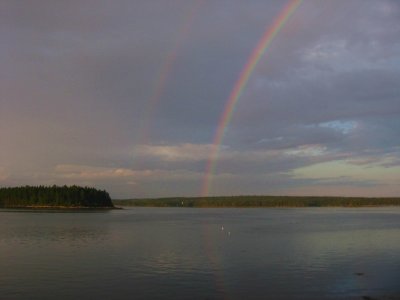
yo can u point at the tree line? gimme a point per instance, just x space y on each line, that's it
54 196
260 201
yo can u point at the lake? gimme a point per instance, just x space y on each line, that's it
188 253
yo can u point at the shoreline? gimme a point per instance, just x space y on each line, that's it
259 202
50 207
263 207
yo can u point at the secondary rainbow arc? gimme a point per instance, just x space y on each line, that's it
165 71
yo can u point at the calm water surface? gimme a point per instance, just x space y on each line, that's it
183 253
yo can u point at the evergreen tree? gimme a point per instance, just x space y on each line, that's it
73 196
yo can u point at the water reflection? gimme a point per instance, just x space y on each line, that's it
35 227
185 254
38 234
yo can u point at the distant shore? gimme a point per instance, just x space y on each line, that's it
258 201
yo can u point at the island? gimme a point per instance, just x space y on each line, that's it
260 201
54 197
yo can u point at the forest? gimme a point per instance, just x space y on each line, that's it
260 201
53 196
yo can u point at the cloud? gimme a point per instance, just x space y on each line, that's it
77 77
237 163
182 152
92 173
3 174
81 172
342 169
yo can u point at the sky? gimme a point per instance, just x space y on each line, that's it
128 96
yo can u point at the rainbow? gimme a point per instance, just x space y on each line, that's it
165 70
237 90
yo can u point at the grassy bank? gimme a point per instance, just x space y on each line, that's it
259 201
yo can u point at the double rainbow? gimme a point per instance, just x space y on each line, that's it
165 71
237 90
